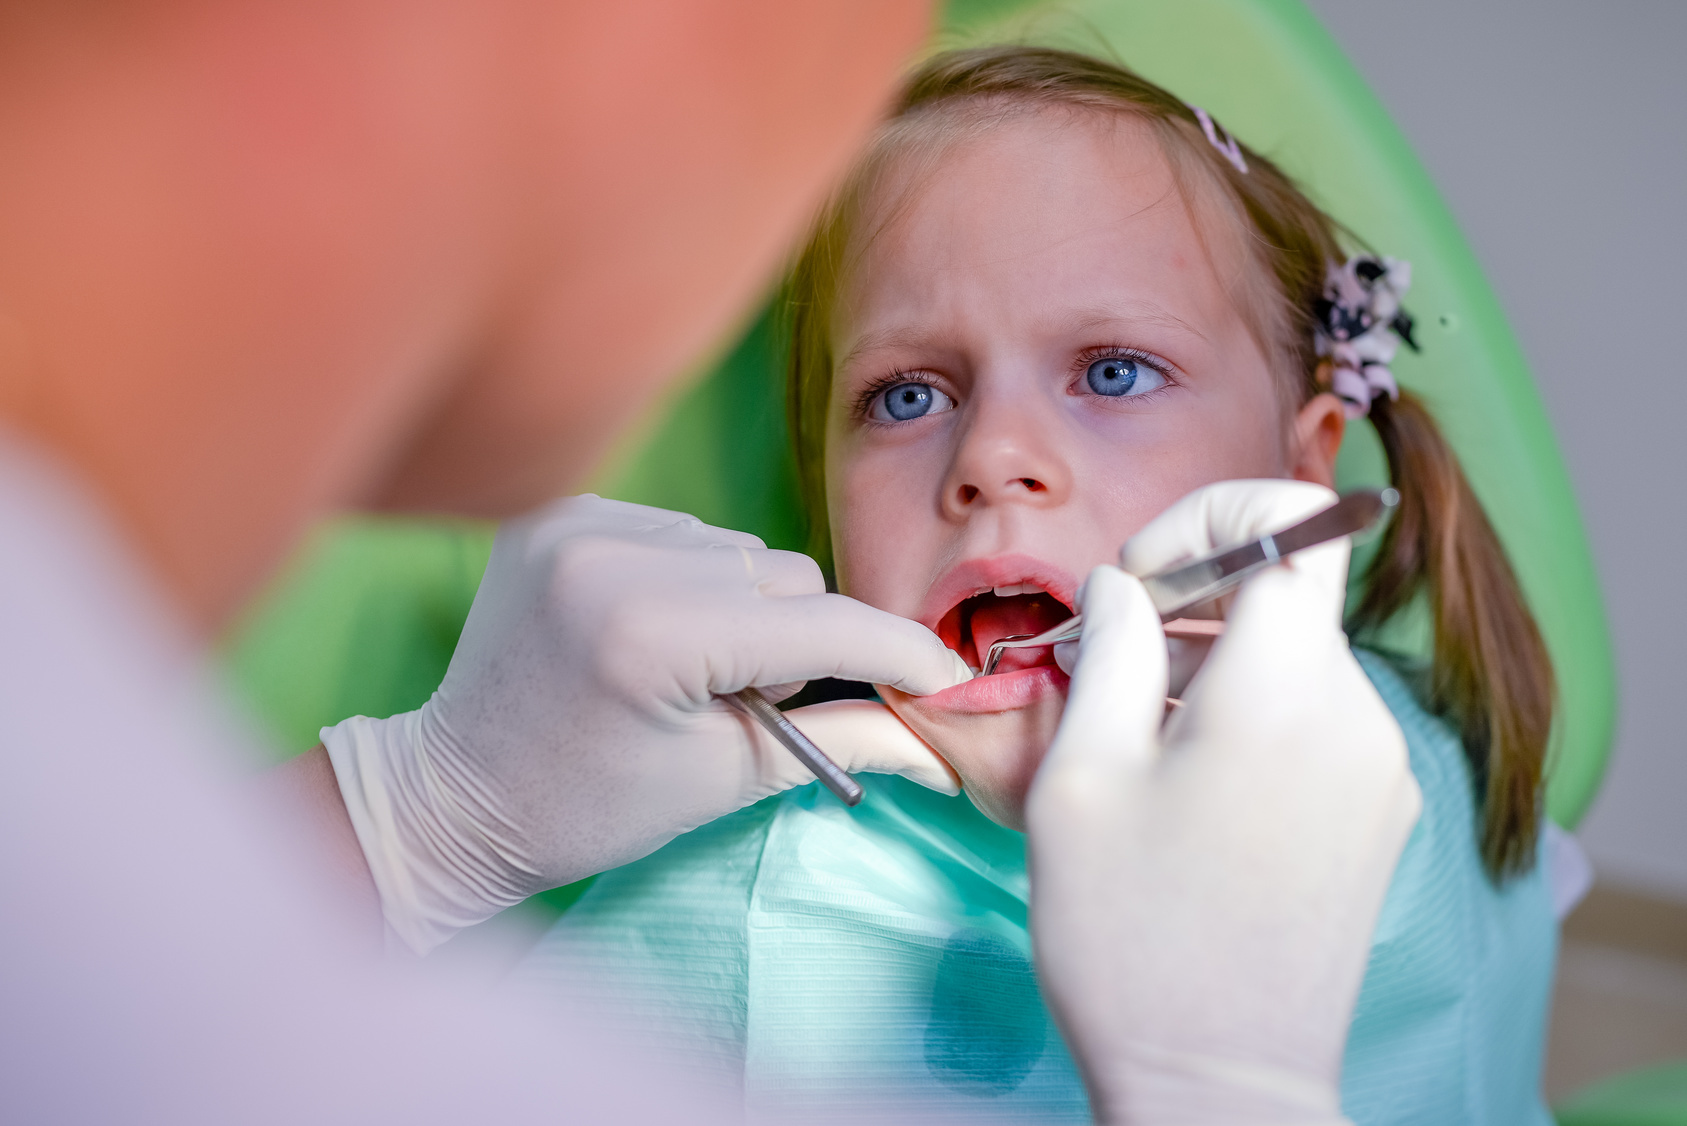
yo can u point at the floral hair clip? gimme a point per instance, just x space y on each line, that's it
1361 304
1227 148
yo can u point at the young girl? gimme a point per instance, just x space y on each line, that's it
1051 300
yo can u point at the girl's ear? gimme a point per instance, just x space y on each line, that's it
1318 430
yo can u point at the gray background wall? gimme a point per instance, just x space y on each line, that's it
1558 133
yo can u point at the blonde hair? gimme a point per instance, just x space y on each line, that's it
1490 673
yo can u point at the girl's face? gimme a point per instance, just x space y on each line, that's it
1036 355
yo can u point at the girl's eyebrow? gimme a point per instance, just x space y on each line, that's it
1140 313
1144 313
905 336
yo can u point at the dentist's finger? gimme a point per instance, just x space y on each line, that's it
1271 667
782 574
1218 516
1066 656
864 736
592 515
805 637
1117 697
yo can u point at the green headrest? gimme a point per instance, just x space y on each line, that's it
1268 71
1653 1096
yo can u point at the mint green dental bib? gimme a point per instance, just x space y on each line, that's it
837 964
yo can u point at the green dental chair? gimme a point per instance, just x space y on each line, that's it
365 619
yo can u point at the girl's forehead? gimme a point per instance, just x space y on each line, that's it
1047 207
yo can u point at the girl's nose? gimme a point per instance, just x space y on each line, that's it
1010 458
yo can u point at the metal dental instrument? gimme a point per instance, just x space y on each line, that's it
831 775
1172 591
1187 584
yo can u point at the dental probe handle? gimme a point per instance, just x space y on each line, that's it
1178 588
831 775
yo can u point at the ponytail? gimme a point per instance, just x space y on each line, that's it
1490 674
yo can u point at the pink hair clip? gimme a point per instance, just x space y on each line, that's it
1228 148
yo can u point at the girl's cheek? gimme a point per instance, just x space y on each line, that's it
867 523
882 523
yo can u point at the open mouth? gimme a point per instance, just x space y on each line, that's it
976 623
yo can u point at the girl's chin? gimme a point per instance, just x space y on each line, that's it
994 730
1003 692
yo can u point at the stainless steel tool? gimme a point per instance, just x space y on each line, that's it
1188 584
831 775
1172 590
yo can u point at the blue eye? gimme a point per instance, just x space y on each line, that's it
908 401
1112 376
1117 376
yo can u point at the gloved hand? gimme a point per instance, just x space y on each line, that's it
1203 889
577 726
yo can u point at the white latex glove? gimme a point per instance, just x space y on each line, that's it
1204 891
577 726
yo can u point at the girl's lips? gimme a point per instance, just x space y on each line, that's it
1003 692
975 576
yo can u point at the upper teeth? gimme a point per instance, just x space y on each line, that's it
1016 588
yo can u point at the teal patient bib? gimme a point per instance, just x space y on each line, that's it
841 964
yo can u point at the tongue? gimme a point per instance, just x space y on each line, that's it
995 618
